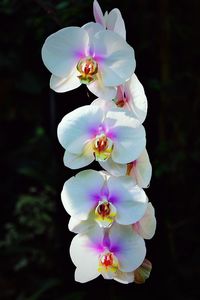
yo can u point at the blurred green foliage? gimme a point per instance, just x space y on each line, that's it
34 238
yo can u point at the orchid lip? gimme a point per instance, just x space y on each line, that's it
105 213
88 69
108 262
102 147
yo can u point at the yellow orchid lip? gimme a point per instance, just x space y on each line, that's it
88 69
105 213
108 262
102 147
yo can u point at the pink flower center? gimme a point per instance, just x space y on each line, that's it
121 102
121 98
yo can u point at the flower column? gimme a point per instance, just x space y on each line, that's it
109 209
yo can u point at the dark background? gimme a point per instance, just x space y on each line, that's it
34 238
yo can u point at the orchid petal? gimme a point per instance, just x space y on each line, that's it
146 226
92 28
121 118
130 138
124 277
136 97
129 248
115 22
61 85
79 226
85 255
108 275
100 90
129 147
104 104
75 128
76 161
83 275
142 171
117 61
130 200
105 17
98 15
62 50
113 168
77 194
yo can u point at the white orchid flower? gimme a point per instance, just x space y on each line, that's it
107 253
96 196
131 96
140 169
146 226
99 58
90 132
112 21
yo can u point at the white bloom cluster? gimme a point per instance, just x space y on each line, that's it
110 212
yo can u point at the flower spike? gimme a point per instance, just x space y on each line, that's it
109 210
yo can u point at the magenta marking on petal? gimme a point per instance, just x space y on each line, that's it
114 199
99 58
115 249
96 246
91 53
95 197
101 129
93 131
79 54
106 241
111 134
96 130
